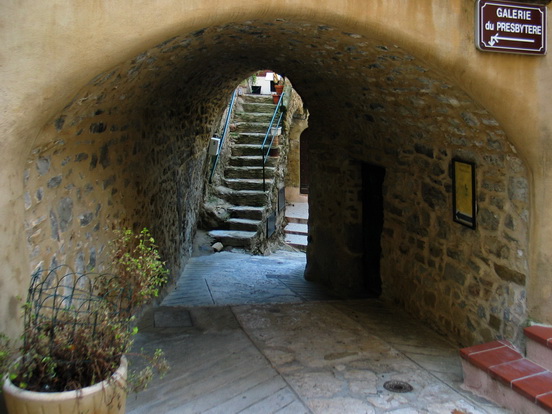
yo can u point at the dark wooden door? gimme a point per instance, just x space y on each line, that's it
372 218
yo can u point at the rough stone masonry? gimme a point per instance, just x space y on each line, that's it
130 149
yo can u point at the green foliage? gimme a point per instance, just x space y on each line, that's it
138 267
80 340
141 379
71 353
7 353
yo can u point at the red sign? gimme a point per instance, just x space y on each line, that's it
508 27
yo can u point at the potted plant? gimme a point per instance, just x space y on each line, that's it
6 353
255 89
78 329
279 84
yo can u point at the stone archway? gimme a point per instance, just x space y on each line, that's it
130 150
130 146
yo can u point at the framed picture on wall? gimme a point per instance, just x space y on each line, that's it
463 193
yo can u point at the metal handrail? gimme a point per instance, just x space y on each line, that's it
267 146
224 133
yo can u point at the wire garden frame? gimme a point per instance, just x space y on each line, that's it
73 318
61 294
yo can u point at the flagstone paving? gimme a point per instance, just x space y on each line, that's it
295 355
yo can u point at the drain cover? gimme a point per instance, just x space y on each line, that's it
397 386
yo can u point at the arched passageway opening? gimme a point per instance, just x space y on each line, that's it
254 157
130 149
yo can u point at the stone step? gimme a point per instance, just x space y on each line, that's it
242 197
297 241
500 373
243 177
252 150
243 224
251 161
246 150
299 220
234 238
248 198
246 212
297 212
255 138
258 98
247 184
297 228
254 117
259 107
539 345
259 127
248 172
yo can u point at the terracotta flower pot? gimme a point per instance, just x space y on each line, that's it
106 397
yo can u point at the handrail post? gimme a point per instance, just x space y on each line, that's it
266 152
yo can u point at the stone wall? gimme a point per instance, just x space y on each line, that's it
299 122
470 284
399 87
117 157
130 150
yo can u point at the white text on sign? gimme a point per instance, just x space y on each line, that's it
514 14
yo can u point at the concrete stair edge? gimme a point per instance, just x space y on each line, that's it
297 241
297 228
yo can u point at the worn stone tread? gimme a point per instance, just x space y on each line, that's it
296 240
312 357
235 234
297 228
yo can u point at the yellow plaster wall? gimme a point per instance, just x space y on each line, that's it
50 49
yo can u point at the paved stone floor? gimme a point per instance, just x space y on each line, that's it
230 278
246 334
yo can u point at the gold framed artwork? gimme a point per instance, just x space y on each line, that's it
463 193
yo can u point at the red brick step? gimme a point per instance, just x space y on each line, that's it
539 345
499 372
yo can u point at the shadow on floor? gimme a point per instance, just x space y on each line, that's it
230 278
255 339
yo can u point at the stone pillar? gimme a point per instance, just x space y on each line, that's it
334 253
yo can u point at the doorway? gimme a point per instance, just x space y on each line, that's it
372 226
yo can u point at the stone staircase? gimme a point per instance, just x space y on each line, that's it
297 230
499 372
243 176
